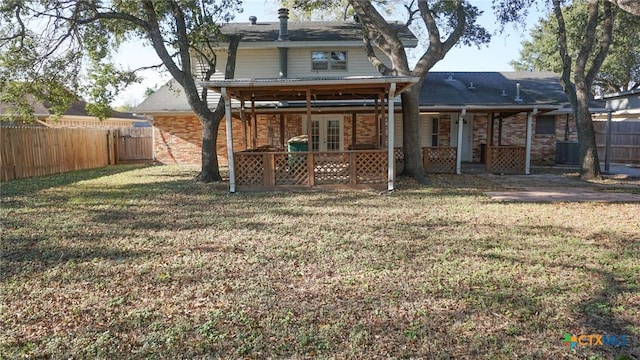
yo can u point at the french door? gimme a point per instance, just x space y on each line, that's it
326 133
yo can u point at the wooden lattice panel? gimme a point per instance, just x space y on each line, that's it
399 156
249 169
508 159
291 169
331 168
371 167
439 159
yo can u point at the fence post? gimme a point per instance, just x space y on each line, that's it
116 149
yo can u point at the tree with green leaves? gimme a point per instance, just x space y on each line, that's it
579 67
621 68
52 48
446 23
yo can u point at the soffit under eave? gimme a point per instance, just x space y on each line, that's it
292 92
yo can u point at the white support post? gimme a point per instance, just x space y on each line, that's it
390 137
459 149
527 151
227 114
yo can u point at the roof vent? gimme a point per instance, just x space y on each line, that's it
518 98
283 15
471 87
450 77
504 93
253 20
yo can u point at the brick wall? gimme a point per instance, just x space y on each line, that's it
178 138
479 135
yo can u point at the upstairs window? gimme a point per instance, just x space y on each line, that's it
546 125
329 60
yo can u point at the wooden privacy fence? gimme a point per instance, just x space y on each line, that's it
625 140
135 144
35 151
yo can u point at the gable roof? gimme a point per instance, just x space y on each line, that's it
334 31
169 98
459 89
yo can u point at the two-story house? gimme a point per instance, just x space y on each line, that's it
309 86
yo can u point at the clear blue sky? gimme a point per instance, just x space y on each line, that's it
496 56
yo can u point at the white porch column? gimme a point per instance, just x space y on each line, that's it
527 151
463 113
227 115
390 138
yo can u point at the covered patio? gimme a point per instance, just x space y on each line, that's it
497 156
268 168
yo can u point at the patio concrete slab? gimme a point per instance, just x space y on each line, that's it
565 194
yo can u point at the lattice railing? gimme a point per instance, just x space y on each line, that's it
439 159
249 168
273 169
371 167
331 168
291 169
399 156
506 159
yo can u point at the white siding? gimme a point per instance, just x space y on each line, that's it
257 63
425 130
251 63
357 63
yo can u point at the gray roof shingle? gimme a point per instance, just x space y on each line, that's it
307 31
487 89
536 88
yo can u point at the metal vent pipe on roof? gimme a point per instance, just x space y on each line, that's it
517 99
253 20
283 35
283 15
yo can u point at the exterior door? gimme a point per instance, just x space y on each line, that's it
467 136
326 133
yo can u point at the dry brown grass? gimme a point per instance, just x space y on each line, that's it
136 262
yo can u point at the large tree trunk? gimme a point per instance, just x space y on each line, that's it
210 169
211 120
413 164
590 163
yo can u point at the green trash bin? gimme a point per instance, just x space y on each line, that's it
297 144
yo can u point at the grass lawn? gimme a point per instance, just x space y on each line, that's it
137 262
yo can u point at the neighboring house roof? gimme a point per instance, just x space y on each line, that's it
625 100
623 105
169 98
335 31
459 89
77 108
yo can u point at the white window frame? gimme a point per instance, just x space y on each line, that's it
331 64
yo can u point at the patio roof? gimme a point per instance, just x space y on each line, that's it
320 88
